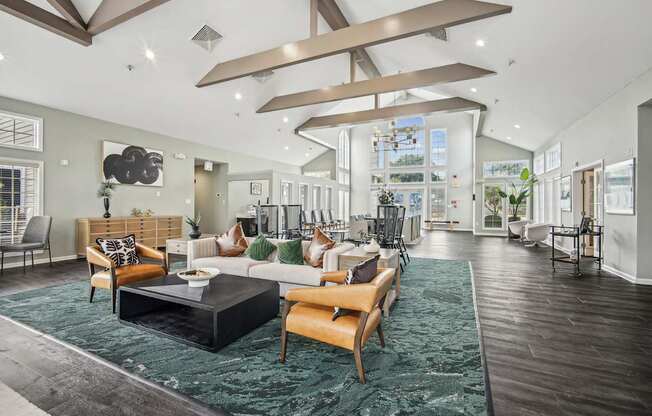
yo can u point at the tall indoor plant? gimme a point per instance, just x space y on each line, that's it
519 193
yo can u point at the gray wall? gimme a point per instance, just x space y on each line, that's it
488 150
324 162
213 209
644 193
70 192
611 133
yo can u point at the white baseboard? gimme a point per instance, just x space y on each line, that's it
39 261
481 234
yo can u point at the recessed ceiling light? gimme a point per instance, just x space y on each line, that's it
238 96
2 57
474 89
287 147
517 126
285 119
480 43
509 138
149 54
307 154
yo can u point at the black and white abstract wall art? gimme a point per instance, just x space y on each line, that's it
132 165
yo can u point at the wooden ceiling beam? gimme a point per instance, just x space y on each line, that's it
447 105
69 12
111 13
336 20
403 81
446 13
46 20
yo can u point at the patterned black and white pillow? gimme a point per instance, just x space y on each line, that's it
361 273
121 250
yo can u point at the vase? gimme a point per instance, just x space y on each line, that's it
195 233
372 247
107 214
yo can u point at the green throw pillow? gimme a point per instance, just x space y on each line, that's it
290 252
260 249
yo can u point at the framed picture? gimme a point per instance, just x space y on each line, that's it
256 188
566 192
132 165
619 189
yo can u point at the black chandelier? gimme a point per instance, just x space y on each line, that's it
395 138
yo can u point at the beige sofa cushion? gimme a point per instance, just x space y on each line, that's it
238 266
288 273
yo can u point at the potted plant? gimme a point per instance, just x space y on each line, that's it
106 192
194 224
385 196
519 194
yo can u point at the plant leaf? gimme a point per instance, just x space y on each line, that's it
525 174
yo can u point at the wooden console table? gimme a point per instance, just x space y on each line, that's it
150 231
389 258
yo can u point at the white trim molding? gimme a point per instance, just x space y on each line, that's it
630 278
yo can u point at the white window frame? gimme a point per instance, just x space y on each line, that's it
503 226
39 165
289 184
307 197
398 172
328 198
435 185
517 175
539 160
551 150
426 151
38 133
433 165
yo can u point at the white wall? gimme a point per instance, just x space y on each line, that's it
460 162
240 197
611 133
70 191
213 209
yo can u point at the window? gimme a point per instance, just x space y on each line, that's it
412 200
322 174
406 177
377 158
504 169
286 193
438 203
438 176
316 197
413 155
553 157
20 197
492 207
539 167
303 196
377 178
344 204
328 198
439 147
21 132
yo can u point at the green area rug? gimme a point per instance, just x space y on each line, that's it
430 366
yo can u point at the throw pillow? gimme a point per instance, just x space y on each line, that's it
290 252
121 250
361 273
260 249
232 243
318 246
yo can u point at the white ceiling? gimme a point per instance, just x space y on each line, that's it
570 56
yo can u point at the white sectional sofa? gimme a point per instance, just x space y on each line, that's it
203 253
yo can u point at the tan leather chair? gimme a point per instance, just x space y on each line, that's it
308 312
112 277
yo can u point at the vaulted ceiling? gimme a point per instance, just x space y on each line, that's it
567 57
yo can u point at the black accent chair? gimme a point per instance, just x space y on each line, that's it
308 226
386 227
336 222
399 241
35 237
292 226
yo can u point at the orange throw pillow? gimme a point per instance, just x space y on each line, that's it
232 243
318 246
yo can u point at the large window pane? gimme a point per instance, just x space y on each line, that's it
439 147
377 158
553 157
19 199
438 176
286 193
377 178
23 132
406 177
412 200
504 168
412 154
438 203
492 210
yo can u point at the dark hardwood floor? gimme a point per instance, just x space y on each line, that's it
555 345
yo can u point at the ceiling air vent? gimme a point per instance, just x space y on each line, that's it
263 76
206 37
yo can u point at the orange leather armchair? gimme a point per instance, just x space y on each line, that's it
111 277
308 312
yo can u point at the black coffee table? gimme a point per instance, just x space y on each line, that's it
208 317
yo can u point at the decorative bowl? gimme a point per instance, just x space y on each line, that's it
199 277
372 247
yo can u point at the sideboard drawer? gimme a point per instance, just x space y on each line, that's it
176 247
